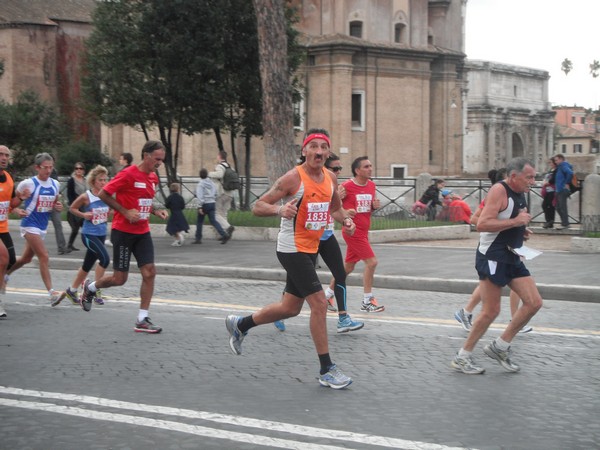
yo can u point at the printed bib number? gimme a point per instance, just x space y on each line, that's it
363 203
99 215
145 208
4 210
317 215
45 203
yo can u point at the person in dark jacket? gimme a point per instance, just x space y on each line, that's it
177 223
75 187
430 199
564 174
548 195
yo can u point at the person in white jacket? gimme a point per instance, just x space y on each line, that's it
224 198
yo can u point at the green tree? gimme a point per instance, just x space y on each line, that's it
595 68
566 66
31 126
151 65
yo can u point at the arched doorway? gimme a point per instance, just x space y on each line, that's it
517 146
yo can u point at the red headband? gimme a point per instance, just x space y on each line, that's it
310 137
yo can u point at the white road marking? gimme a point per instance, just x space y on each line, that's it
312 432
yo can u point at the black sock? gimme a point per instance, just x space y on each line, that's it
326 363
246 323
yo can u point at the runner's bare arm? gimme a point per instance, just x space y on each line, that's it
495 202
268 203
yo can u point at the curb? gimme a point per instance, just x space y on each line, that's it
574 293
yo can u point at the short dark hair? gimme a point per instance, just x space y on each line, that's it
492 175
332 157
150 146
316 131
223 155
203 173
356 163
500 175
127 157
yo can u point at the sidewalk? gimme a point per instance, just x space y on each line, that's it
433 265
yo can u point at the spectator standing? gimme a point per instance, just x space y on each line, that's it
76 185
56 218
177 223
361 200
502 226
125 160
134 189
39 205
548 195
206 193
224 197
564 174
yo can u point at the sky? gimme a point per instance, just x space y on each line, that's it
540 34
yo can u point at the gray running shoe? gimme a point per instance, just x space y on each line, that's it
87 297
146 326
334 378
466 320
466 365
503 357
56 297
330 306
526 329
72 295
235 341
372 306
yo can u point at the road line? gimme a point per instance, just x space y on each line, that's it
213 417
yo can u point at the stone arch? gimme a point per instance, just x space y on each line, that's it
518 149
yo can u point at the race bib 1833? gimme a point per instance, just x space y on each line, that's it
317 215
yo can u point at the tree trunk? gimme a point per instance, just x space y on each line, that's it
278 124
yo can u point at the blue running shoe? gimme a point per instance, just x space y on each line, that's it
280 325
235 341
334 378
347 324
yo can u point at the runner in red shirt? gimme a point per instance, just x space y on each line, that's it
359 195
133 189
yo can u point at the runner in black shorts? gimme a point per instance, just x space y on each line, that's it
127 244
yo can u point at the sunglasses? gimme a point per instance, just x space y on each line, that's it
336 169
79 168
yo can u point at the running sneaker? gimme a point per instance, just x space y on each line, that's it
334 378
466 365
330 305
526 329
503 357
372 306
87 297
56 297
235 341
146 326
347 324
72 295
176 244
280 325
466 320
3 288
2 312
98 297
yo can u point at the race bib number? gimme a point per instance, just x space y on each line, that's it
330 223
363 203
99 215
45 203
145 208
318 214
4 210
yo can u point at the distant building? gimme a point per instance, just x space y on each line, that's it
577 136
508 115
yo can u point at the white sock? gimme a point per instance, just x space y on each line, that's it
73 288
462 353
142 314
468 313
92 287
367 297
502 344
329 292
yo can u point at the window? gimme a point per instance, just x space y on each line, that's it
563 148
358 111
299 115
311 60
399 171
582 119
400 33
573 119
515 90
577 148
356 28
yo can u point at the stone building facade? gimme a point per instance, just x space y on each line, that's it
508 115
